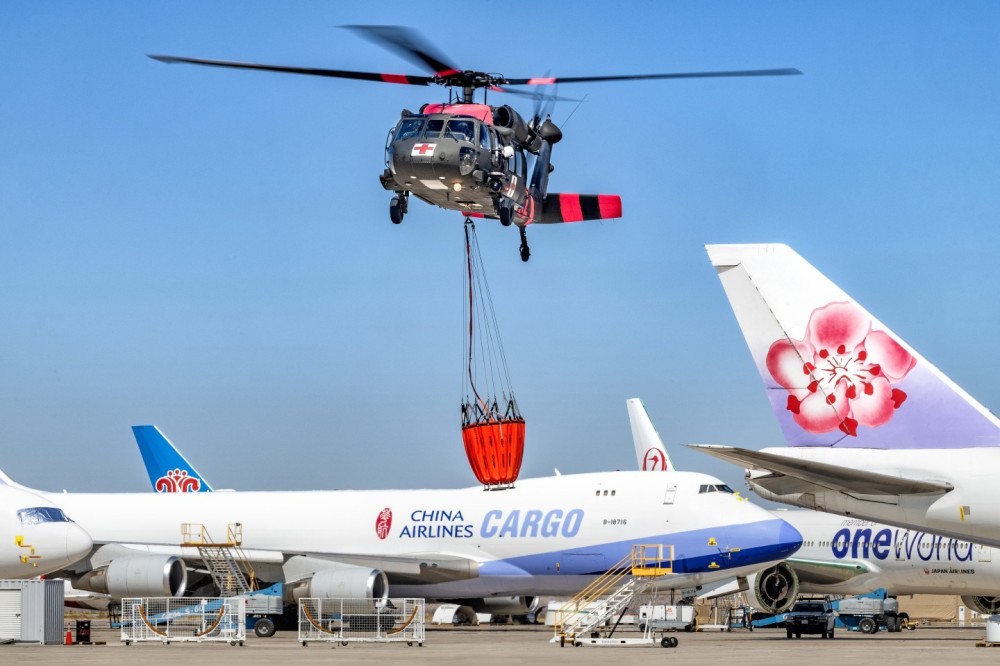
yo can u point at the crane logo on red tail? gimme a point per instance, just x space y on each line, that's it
383 523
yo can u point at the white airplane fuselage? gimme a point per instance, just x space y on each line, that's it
546 536
900 560
968 512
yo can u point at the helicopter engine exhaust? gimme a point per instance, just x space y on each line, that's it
505 116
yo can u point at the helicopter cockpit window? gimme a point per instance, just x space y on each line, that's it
484 137
461 130
433 128
409 128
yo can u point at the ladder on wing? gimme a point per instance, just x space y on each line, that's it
612 592
225 561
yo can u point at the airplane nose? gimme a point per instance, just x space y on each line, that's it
789 536
78 543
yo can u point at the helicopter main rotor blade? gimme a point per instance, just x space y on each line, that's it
539 81
405 79
408 43
525 93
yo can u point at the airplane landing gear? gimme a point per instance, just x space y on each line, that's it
397 208
525 252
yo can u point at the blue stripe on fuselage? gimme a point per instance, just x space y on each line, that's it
757 543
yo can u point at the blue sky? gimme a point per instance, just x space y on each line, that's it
210 250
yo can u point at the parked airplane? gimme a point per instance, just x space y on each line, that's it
845 556
875 431
546 536
36 537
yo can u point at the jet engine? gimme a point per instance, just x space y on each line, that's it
984 605
141 576
774 589
340 582
502 605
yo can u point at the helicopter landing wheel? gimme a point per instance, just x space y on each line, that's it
506 215
397 209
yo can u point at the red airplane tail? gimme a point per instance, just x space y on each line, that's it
560 207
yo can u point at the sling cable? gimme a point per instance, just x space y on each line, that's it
492 426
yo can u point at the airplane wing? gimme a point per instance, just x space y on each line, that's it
415 569
834 477
826 572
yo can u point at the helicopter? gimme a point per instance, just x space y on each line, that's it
470 156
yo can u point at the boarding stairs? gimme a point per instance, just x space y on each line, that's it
225 560
612 592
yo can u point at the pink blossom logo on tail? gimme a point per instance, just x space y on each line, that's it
841 375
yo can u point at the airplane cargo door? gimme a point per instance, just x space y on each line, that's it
10 614
983 553
668 496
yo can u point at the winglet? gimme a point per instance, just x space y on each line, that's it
649 451
834 374
168 470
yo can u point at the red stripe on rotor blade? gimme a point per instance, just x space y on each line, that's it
569 206
394 78
611 205
541 81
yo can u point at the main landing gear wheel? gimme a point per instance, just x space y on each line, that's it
668 642
506 215
525 252
397 209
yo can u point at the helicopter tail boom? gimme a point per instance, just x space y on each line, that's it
563 207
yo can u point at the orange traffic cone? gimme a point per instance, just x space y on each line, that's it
69 637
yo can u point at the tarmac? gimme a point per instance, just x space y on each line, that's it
485 646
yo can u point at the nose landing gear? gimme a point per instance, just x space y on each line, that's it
397 207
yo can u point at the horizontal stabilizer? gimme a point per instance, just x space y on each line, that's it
579 207
835 477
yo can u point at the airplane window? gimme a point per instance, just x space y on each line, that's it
409 128
433 128
605 493
723 488
42 514
612 493
598 493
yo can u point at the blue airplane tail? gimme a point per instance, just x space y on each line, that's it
168 470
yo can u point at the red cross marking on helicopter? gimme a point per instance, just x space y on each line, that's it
423 149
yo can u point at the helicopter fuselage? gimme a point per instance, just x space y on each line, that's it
455 156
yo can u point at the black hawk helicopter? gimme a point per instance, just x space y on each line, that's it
468 156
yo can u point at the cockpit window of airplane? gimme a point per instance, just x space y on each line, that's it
715 488
42 514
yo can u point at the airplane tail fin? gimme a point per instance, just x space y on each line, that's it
649 450
834 374
558 207
168 470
